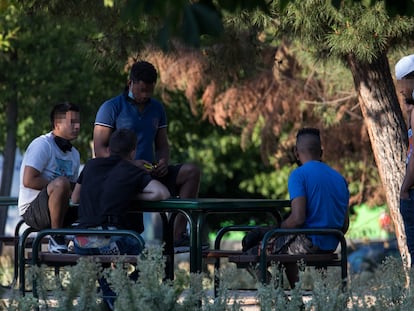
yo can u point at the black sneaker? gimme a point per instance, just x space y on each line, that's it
182 245
57 244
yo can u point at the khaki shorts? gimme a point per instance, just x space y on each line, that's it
37 214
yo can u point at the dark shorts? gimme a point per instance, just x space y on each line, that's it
37 214
170 180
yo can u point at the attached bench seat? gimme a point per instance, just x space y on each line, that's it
242 260
52 259
331 259
317 260
38 257
220 253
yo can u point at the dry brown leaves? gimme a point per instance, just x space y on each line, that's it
275 95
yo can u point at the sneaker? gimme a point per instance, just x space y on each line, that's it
182 245
57 244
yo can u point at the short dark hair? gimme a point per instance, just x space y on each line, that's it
309 139
143 71
308 131
60 109
122 142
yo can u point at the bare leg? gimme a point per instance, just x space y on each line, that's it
292 273
188 181
59 193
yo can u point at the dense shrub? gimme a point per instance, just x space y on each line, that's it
383 289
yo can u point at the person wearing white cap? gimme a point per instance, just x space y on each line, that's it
404 73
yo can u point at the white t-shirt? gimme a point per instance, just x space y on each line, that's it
45 156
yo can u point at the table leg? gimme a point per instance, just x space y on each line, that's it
192 219
199 217
167 237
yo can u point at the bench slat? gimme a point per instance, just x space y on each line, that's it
220 253
286 258
49 258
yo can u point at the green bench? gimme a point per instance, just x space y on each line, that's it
242 260
35 256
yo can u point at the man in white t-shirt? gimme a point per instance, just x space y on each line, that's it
49 170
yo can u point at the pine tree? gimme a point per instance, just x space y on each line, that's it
361 36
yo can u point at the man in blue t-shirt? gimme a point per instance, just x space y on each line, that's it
319 197
135 109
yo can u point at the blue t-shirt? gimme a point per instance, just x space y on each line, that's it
120 112
327 199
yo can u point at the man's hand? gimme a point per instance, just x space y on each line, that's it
145 165
160 169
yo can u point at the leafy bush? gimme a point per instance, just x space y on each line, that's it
383 289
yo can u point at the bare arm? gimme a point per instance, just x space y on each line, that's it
33 179
154 191
298 214
162 147
162 152
346 222
101 135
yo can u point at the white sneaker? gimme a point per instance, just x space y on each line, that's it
57 244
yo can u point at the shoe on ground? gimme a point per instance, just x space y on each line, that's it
57 244
182 245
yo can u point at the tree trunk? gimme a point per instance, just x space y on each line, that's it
387 131
8 157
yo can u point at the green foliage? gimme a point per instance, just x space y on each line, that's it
364 31
150 289
365 223
227 169
270 185
68 51
382 289
49 62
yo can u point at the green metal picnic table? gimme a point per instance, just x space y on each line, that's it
196 210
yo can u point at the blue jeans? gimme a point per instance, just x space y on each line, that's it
407 213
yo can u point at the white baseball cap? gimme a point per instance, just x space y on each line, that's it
404 66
